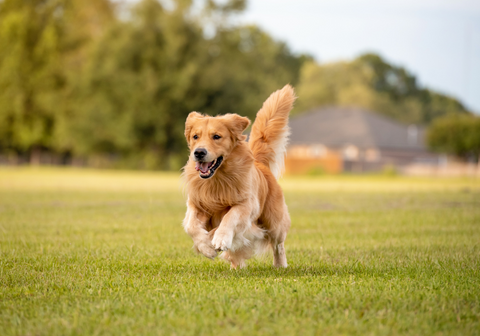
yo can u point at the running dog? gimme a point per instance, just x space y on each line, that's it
235 203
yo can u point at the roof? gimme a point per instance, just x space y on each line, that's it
341 126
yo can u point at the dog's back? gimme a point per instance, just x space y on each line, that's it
269 136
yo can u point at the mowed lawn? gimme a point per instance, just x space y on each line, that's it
85 252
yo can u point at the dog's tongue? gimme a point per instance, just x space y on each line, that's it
202 166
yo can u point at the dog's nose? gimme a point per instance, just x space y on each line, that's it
200 153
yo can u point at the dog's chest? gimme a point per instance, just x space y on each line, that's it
217 198
214 204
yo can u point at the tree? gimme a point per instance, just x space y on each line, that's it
39 43
136 89
30 73
77 78
243 66
147 73
457 135
370 82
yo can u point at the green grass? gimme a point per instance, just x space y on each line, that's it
86 252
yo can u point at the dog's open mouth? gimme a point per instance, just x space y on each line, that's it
207 169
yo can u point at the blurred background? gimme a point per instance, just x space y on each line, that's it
392 87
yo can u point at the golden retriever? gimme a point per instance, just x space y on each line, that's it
235 203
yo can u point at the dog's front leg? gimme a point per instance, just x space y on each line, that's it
195 223
235 220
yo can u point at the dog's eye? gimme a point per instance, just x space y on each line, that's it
216 137
195 137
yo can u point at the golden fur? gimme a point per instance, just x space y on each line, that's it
241 208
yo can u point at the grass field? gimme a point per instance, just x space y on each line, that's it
86 252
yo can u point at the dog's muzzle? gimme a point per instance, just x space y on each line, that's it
207 169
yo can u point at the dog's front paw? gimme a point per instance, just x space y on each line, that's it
206 249
222 241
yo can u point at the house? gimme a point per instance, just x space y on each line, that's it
343 139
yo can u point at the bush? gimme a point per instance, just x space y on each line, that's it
457 135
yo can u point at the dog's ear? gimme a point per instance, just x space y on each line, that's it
189 123
237 125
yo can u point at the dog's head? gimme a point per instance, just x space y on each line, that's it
212 139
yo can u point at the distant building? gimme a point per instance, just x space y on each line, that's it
338 139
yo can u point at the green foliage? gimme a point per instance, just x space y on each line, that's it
372 83
245 62
30 72
136 101
456 134
86 252
75 78
81 79
39 49
135 104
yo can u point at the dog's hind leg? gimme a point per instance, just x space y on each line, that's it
278 234
279 256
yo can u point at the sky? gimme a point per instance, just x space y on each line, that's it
438 41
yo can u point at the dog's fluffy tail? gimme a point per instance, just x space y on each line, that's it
270 131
